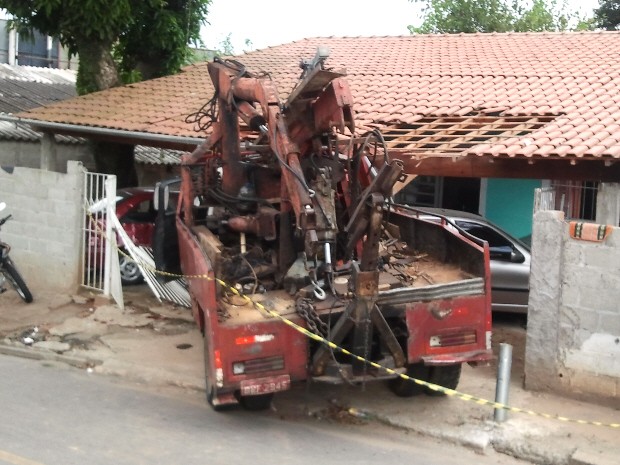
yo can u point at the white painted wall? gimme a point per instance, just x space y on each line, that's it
28 154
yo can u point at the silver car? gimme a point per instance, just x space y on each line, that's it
510 259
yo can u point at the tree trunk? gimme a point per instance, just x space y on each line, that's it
97 70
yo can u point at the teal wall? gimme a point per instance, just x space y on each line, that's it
510 204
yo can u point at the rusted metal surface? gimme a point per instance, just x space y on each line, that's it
295 216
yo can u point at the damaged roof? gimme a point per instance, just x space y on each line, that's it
513 95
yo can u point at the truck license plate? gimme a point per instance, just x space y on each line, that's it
255 387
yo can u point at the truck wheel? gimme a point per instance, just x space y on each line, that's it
408 388
446 376
255 403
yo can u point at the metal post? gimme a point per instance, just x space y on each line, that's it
503 380
12 47
110 195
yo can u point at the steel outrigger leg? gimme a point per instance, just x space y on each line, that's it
362 316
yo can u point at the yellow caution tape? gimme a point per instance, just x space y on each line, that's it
330 344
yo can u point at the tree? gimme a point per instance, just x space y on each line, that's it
607 15
454 16
226 47
157 41
148 38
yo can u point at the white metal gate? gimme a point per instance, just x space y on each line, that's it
100 262
100 270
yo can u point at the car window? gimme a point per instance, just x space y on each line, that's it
142 212
499 246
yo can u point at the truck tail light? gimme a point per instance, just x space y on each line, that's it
256 338
453 339
219 372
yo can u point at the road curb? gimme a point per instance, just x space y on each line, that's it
36 354
584 456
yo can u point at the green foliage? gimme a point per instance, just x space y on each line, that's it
72 21
607 15
455 16
156 41
225 47
149 37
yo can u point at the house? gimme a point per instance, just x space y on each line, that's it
26 87
36 72
38 50
482 119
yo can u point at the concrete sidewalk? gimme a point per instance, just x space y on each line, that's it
160 345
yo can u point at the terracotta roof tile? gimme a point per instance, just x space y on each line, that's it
614 151
575 76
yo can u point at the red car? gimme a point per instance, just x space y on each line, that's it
134 209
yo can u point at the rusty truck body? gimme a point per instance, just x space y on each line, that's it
285 207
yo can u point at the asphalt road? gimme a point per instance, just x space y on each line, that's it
52 414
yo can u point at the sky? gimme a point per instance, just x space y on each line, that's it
273 22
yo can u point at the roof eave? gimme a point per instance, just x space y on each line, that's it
109 134
487 166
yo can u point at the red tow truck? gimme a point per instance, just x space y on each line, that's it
286 204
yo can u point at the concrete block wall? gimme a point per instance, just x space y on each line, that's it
573 333
28 154
45 232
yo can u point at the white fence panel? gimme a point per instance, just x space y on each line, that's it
100 269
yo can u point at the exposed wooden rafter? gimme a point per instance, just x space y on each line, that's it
455 134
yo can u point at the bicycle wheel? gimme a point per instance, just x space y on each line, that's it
11 273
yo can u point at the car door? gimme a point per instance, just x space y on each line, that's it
139 221
510 266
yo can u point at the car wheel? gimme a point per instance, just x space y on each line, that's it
130 273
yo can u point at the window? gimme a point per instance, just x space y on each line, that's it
499 246
141 213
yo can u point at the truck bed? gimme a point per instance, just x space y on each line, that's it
430 279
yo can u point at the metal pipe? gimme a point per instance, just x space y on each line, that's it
503 381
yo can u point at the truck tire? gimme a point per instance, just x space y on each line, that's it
446 376
255 403
408 388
